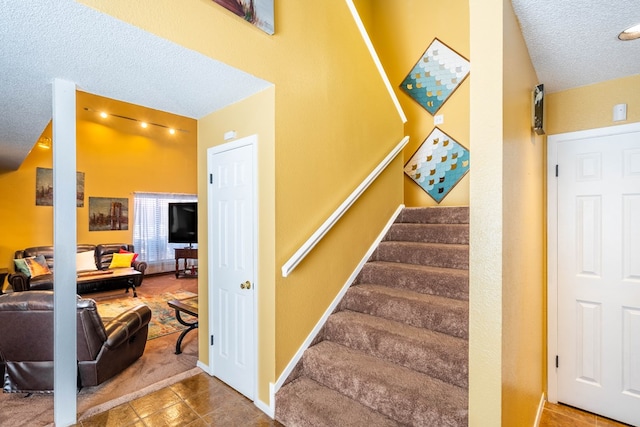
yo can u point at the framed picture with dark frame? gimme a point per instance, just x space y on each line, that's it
108 214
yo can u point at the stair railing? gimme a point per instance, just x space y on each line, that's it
312 241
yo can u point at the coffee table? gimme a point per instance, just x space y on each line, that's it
132 276
189 306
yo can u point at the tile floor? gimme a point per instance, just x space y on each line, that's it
197 401
565 416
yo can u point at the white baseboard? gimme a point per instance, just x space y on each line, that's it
267 409
204 367
540 409
307 342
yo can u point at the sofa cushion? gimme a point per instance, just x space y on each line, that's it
123 251
37 266
86 261
121 260
21 266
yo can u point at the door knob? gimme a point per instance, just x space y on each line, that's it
246 285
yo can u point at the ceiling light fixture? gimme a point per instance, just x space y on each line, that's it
630 33
143 124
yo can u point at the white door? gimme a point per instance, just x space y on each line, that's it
598 275
232 264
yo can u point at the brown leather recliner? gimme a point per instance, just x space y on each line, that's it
26 341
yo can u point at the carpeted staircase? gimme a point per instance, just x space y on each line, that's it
395 352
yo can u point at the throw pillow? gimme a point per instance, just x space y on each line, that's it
122 251
121 260
37 266
21 266
86 261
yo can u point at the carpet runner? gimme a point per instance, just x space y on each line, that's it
395 352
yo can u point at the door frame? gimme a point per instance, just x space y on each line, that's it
552 240
252 141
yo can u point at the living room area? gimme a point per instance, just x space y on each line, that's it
117 159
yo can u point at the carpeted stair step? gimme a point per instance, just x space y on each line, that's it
429 233
445 315
305 403
432 254
401 394
438 355
435 215
447 282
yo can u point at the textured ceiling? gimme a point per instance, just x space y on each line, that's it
575 43
47 39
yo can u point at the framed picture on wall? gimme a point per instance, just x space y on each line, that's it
107 213
44 187
257 12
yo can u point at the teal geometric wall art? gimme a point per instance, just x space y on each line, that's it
436 75
438 164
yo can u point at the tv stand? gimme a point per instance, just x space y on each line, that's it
186 254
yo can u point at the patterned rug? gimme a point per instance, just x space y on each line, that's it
163 321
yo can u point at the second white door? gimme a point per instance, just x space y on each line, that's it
231 264
599 275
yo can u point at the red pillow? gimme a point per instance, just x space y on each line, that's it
122 251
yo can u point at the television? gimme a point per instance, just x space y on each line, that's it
183 222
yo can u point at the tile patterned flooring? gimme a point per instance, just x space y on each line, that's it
194 402
565 416
205 401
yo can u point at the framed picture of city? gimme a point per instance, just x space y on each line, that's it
44 187
108 213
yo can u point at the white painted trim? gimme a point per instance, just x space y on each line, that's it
376 59
204 367
307 342
267 409
312 241
536 423
552 241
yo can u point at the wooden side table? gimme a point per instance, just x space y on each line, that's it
3 274
186 253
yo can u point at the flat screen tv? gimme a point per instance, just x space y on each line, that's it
183 222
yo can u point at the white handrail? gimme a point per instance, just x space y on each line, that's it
312 241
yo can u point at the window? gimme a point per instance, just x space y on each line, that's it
150 229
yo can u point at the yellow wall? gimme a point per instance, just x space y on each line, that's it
334 122
485 209
591 107
253 116
523 231
115 164
507 225
401 31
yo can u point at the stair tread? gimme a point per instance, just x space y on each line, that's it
400 393
435 214
315 405
458 272
446 255
442 233
442 314
462 247
433 353
442 281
